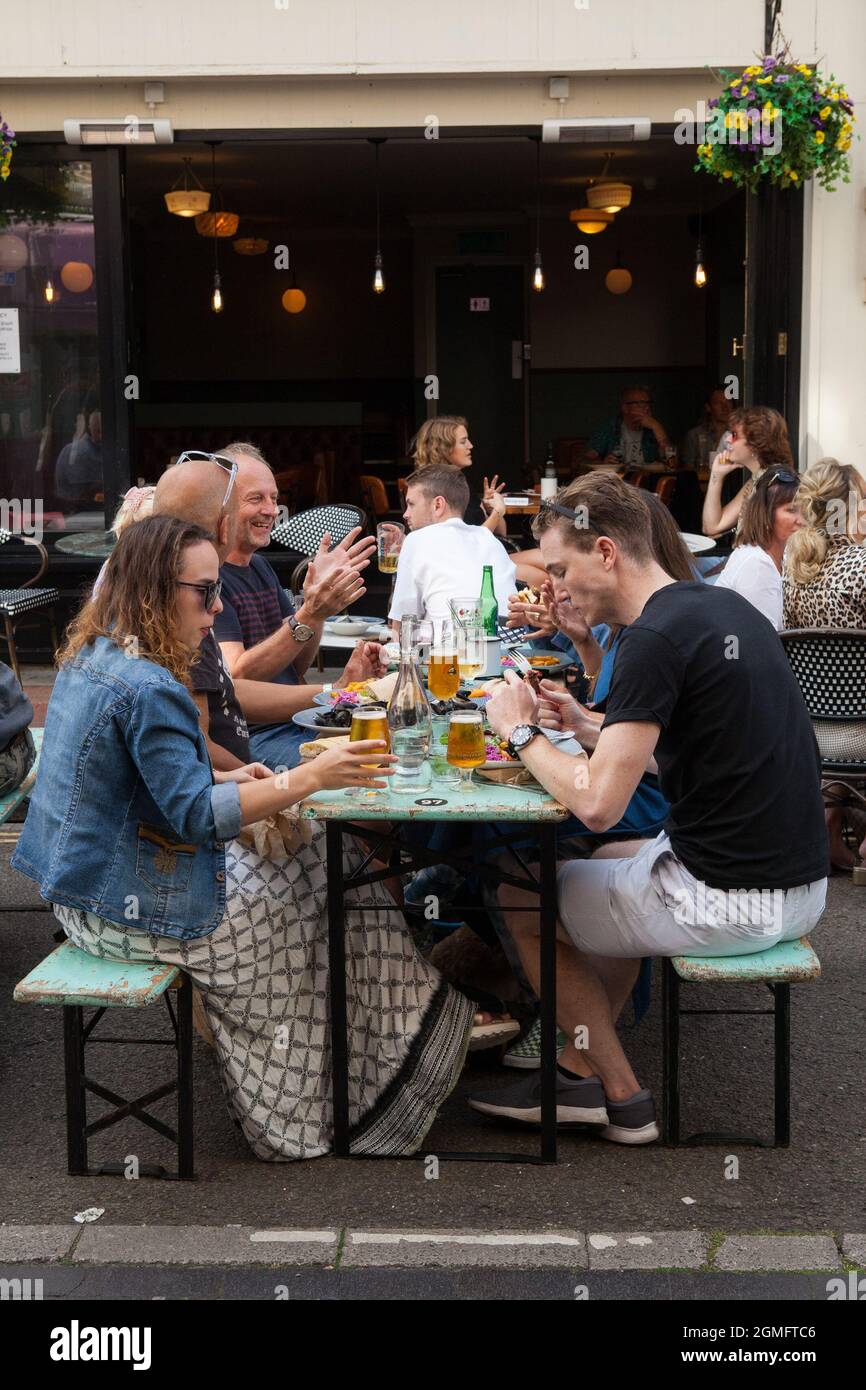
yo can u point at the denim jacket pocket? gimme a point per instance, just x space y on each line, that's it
163 863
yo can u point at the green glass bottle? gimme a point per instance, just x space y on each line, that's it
489 604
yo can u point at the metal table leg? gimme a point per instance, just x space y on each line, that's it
547 947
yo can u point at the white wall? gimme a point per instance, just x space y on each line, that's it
834 292
118 38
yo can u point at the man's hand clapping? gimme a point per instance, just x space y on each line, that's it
333 579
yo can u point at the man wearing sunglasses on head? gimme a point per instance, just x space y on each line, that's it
201 488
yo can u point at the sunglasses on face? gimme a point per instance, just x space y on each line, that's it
228 465
210 592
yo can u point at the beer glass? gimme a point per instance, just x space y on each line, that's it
367 723
466 743
443 674
389 540
471 650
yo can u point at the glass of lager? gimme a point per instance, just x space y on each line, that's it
466 743
368 723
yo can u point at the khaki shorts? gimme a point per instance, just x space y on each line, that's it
652 906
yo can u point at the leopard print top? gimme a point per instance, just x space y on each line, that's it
837 597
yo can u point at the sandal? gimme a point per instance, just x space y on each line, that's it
492 1030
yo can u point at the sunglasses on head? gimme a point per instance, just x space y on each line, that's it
220 460
549 505
210 591
778 475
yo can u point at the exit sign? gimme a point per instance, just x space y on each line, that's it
479 306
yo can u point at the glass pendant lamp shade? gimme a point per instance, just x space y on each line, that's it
192 198
591 220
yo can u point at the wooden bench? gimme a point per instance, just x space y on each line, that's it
76 981
790 962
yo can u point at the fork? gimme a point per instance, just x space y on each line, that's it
521 663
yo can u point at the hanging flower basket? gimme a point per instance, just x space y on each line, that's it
7 145
779 122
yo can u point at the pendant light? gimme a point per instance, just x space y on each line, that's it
700 272
49 291
538 272
217 222
187 201
609 195
591 220
618 280
216 299
378 277
293 300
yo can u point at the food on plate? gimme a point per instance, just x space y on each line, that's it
496 750
545 660
340 714
441 707
320 745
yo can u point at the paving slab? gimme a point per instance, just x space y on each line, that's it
36 1242
777 1252
460 1249
854 1249
647 1249
205 1245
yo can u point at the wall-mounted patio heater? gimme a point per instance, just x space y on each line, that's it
118 130
587 130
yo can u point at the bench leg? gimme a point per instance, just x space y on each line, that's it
670 1053
76 1097
184 1082
782 1064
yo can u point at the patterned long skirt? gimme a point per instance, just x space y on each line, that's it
263 973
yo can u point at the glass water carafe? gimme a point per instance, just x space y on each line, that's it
409 718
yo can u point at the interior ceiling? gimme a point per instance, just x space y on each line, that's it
331 182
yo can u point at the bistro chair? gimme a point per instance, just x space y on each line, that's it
830 667
304 532
14 603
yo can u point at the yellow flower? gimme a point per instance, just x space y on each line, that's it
819 137
763 81
843 143
794 177
727 174
736 82
806 71
750 72
824 112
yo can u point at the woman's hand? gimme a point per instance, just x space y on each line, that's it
248 773
722 465
350 765
561 711
491 496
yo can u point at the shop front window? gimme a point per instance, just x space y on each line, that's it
51 463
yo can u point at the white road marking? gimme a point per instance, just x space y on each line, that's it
441 1238
296 1237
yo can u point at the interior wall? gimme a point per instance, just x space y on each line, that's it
345 330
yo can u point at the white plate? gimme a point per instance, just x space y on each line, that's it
698 544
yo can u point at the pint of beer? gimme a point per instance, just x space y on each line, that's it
443 674
389 540
466 740
369 723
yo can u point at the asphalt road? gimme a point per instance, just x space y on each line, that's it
817 1184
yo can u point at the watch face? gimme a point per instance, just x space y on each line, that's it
301 632
521 735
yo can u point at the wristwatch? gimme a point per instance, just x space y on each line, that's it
300 631
521 735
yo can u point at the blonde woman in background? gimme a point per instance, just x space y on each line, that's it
135 505
444 439
824 579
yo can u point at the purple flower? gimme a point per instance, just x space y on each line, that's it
714 101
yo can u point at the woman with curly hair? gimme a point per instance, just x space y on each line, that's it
136 842
824 582
759 440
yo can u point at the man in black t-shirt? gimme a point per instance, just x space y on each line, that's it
702 693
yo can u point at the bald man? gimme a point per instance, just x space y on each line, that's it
261 636
194 491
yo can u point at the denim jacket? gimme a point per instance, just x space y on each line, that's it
125 820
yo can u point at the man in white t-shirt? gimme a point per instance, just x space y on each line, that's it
442 558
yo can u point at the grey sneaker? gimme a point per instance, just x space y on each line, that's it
526 1054
580 1101
632 1121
